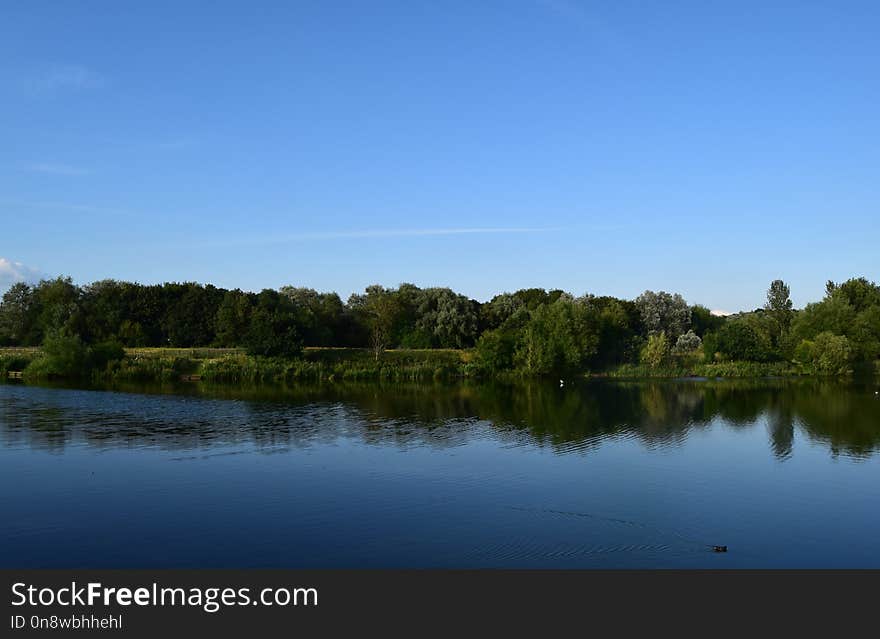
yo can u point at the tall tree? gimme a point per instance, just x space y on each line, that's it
233 318
448 318
380 308
619 329
190 313
59 306
779 308
273 330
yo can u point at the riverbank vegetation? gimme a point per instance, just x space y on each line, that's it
131 332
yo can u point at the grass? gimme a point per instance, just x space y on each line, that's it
140 368
19 350
233 365
714 369
337 364
192 353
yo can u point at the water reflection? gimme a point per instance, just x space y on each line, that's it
843 416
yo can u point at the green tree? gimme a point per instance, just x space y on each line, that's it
710 346
272 330
827 353
233 318
619 330
132 334
495 350
532 298
57 303
558 338
847 310
319 314
380 309
18 316
64 354
740 340
499 309
779 309
664 312
656 352
190 313
104 308
859 292
449 319
703 321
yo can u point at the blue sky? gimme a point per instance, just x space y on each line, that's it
603 147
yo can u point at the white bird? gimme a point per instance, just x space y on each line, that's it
561 384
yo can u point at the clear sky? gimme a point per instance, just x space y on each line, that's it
609 147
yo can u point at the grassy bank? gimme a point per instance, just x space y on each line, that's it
337 364
234 366
231 366
715 369
730 370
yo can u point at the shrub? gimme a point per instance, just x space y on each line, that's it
495 351
827 353
687 343
559 337
63 355
710 346
655 354
738 340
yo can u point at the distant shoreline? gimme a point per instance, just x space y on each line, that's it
234 366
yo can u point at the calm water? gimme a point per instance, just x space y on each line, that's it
601 474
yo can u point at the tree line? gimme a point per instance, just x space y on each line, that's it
533 330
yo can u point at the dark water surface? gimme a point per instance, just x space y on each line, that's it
597 474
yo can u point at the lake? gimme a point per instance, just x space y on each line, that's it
596 474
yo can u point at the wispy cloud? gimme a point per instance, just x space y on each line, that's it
56 169
68 77
375 234
12 272
332 235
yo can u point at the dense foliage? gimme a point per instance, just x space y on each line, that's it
530 331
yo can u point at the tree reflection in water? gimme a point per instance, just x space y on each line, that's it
845 416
